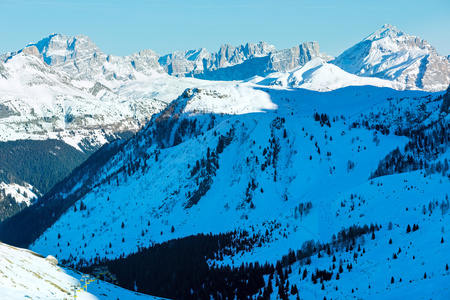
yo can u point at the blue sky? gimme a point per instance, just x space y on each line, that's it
125 27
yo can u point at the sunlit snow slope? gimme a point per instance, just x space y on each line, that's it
27 275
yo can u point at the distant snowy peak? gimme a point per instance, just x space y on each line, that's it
58 48
387 30
86 64
82 60
241 62
318 75
393 55
229 55
194 62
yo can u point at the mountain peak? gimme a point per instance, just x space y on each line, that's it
387 30
57 47
390 54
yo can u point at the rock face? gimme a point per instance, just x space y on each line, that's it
193 63
186 62
81 59
288 59
3 72
391 54
241 62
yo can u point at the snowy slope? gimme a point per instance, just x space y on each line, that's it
82 60
393 55
227 156
160 194
274 156
38 102
317 75
22 194
27 275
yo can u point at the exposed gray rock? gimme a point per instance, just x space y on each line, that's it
81 59
3 72
199 62
186 62
241 62
288 59
32 50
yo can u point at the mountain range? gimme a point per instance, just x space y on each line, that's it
291 158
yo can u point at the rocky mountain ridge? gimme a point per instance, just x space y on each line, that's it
388 54
391 54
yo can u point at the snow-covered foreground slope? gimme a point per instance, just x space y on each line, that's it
317 75
27 275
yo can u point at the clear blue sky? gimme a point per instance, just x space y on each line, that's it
125 27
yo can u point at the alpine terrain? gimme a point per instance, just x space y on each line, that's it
250 173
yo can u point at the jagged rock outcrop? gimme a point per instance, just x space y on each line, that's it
241 62
196 63
288 59
186 62
81 59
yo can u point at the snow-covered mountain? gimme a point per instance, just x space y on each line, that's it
318 75
195 62
28 275
240 157
86 64
80 59
311 157
393 55
239 63
52 91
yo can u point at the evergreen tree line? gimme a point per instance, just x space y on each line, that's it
182 268
420 153
32 221
39 163
9 206
204 170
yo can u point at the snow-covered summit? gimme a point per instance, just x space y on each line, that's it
58 48
318 75
393 55
81 59
387 30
